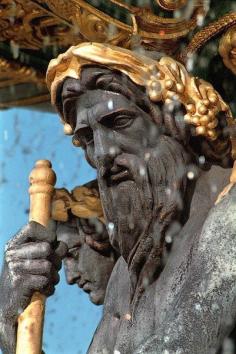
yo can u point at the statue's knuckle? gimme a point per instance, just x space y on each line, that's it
47 266
46 248
45 281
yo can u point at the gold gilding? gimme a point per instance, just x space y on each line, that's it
227 49
45 23
201 101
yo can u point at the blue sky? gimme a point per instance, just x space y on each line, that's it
26 136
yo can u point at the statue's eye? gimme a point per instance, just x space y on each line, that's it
122 121
118 120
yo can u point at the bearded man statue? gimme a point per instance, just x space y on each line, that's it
163 145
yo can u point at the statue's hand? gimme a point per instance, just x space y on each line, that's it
32 261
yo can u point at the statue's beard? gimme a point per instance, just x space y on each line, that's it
139 208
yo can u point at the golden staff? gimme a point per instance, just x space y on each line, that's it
30 322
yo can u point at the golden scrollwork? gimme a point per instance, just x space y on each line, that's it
82 202
37 23
171 5
207 33
166 81
32 26
23 102
151 27
227 49
12 73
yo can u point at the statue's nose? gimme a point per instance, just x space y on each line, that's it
106 149
71 270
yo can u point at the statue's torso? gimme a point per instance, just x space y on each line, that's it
117 331
178 294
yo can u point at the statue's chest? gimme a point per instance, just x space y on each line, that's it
118 331
133 330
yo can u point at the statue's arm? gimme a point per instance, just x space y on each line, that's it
31 263
203 312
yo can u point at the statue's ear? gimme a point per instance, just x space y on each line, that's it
174 123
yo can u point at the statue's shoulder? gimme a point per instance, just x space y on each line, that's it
223 214
218 235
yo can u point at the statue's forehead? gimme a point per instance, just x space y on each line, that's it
92 106
70 236
106 100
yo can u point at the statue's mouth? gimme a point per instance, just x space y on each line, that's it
85 285
118 174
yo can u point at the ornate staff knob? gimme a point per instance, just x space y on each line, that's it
30 322
42 180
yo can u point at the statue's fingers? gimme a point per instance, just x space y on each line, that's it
31 232
31 250
36 267
23 236
35 283
42 233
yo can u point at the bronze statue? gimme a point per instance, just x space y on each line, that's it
163 145
90 258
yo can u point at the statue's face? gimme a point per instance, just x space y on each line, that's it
112 121
87 266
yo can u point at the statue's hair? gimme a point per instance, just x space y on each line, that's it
164 81
170 120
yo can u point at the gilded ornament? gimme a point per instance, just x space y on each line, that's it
204 120
33 20
201 101
82 202
171 5
207 33
227 49
13 73
76 142
67 129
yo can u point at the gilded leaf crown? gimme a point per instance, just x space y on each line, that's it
166 80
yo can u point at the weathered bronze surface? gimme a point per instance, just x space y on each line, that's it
169 262
156 231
